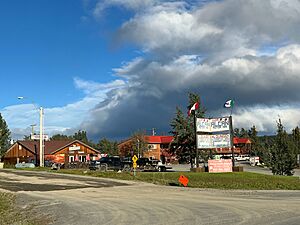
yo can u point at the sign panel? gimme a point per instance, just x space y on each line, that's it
220 166
73 148
183 180
134 158
203 125
204 141
220 140
152 146
37 137
213 141
212 125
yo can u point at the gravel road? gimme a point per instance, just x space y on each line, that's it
69 199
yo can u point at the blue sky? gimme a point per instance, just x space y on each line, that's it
45 44
112 67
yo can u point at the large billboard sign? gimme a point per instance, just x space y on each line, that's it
220 166
213 141
212 125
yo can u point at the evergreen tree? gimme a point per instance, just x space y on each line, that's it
4 137
296 139
236 132
255 146
283 158
61 137
27 137
244 133
183 131
240 133
180 145
109 147
81 136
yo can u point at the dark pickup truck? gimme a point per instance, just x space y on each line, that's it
116 163
107 163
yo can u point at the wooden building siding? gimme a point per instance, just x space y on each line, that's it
83 151
19 153
153 152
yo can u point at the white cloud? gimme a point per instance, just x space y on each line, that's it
60 119
155 88
102 5
214 48
265 118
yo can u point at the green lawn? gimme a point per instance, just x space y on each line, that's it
236 180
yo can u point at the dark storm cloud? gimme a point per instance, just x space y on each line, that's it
213 50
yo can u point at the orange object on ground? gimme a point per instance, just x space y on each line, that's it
183 180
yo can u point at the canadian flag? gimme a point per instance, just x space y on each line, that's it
193 108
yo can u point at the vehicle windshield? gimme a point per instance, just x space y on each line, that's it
105 159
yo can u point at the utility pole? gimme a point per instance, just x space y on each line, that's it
231 138
41 138
196 141
41 112
32 128
138 147
153 132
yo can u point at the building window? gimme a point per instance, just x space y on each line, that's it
71 158
82 158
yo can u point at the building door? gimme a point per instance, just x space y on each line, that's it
71 158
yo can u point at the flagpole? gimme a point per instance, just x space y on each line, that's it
231 108
231 138
196 147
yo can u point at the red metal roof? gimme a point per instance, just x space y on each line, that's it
159 139
237 140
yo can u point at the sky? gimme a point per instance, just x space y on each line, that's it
113 67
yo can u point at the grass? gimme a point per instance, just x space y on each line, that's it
9 214
236 180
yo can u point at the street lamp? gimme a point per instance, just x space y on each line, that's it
41 112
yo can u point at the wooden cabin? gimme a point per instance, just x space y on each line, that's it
58 151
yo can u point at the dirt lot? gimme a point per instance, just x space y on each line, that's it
68 199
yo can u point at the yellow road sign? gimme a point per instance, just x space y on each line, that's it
134 158
134 165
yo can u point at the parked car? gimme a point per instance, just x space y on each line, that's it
106 163
125 164
145 164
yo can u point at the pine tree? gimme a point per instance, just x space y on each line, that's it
296 139
107 146
283 158
81 136
255 147
183 131
236 132
4 137
180 145
244 133
60 137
